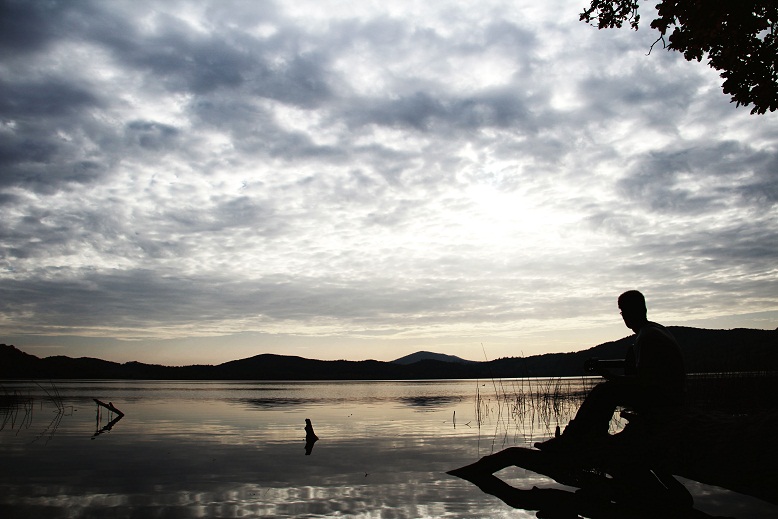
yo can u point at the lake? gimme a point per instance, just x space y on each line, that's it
237 449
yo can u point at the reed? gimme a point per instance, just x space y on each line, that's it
525 409
17 409
53 394
12 405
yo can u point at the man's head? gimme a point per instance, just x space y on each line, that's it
633 309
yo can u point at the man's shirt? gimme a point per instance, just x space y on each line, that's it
656 362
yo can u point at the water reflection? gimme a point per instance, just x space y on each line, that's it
270 403
107 427
111 419
11 407
610 488
428 402
310 437
700 444
207 450
18 409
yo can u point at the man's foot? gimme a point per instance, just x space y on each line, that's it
559 444
572 440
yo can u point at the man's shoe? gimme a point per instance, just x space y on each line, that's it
574 441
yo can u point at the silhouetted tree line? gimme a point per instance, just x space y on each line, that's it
705 351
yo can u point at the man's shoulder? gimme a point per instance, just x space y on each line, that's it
655 332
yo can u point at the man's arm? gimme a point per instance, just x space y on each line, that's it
603 367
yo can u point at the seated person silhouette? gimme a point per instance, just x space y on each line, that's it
653 383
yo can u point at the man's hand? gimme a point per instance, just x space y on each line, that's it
591 364
603 367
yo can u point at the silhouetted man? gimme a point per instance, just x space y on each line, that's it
652 384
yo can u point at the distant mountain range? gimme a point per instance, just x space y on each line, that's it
738 350
428 355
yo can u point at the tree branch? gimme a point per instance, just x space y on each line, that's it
662 39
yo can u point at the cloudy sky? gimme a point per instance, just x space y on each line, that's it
194 182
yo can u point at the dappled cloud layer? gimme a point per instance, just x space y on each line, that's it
316 177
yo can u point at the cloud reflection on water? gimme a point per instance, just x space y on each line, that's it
191 476
230 456
186 457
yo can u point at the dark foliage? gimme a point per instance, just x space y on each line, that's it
739 37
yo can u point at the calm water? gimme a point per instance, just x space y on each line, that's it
236 449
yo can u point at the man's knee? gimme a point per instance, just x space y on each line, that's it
603 389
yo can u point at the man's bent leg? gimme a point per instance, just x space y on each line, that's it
593 417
